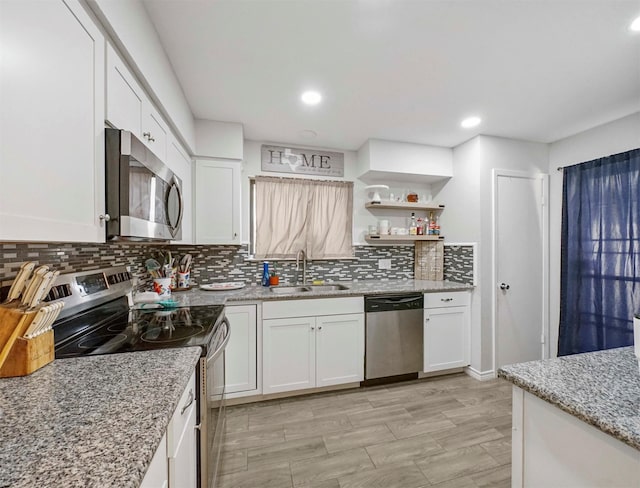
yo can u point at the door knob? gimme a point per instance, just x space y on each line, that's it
504 286
105 217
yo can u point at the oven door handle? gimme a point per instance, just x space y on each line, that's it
227 335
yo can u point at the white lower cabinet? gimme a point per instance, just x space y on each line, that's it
175 462
288 354
339 349
446 331
313 351
241 352
181 440
157 475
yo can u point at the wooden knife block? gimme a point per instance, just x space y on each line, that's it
20 356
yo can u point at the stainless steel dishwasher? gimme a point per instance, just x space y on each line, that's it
394 335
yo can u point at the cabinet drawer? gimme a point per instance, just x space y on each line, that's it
446 299
312 307
186 406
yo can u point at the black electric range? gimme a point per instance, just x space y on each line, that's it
99 319
115 328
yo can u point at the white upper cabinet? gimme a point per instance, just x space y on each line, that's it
217 202
154 131
129 108
51 122
125 97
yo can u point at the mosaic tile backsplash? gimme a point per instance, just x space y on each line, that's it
229 263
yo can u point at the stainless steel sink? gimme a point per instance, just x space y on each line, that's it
307 288
328 287
290 289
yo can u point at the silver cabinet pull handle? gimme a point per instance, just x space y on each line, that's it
189 402
446 299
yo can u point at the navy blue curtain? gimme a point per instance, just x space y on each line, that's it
600 276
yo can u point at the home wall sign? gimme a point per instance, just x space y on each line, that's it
281 159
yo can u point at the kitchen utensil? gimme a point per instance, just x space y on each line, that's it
41 316
185 263
54 311
153 267
20 280
34 284
44 287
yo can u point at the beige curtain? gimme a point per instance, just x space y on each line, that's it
294 214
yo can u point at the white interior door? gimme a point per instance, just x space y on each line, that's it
521 249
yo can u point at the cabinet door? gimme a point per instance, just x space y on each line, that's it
125 97
181 440
51 122
154 131
217 207
241 352
288 354
182 166
446 338
157 475
339 349
182 466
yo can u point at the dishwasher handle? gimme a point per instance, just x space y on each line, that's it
385 303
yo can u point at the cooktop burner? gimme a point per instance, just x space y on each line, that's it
114 328
170 334
102 340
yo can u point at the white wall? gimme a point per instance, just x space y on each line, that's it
362 217
132 31
467 217
219 139
612 138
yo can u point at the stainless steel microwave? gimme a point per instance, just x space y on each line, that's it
144 197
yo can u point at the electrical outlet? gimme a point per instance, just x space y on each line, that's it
384 263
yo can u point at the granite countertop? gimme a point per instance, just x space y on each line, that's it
91 421
198 297
601 388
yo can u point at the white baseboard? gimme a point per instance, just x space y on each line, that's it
480 375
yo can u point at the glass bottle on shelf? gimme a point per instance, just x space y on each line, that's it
413 225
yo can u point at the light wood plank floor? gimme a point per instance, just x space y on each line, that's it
447 432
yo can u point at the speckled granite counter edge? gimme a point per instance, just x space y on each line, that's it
573 410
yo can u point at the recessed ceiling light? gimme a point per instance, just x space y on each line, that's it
470 122
635 25
311 97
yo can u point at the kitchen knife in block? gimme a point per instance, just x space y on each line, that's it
38 321
20 280
34 284
43 288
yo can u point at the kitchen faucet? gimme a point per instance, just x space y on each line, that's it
304 264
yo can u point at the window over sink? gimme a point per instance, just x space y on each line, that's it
290 214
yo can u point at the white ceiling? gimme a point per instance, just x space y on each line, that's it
405 70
